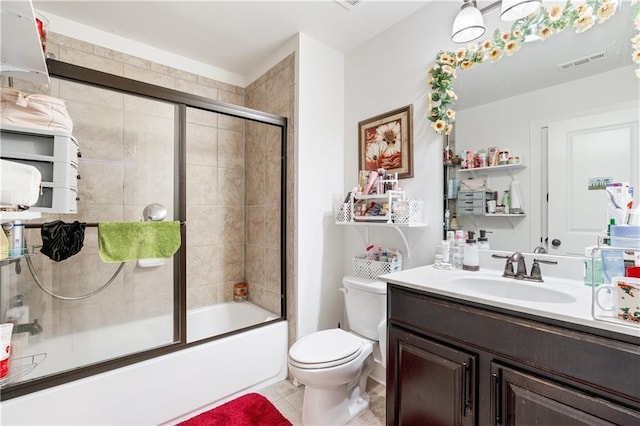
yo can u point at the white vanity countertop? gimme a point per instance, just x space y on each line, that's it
577 311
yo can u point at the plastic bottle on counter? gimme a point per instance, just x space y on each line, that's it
592 266
458 250
451 238
471 261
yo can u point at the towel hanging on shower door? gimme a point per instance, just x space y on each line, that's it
126 241
61 240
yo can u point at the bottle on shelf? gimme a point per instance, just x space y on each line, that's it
506 201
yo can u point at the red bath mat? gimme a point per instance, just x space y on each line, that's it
251 409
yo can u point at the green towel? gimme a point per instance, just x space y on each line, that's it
125 241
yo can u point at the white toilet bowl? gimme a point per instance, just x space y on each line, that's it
333 365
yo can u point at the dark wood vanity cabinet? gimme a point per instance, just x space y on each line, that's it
452 363
435 383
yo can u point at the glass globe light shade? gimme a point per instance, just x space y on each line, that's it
468 25
513 10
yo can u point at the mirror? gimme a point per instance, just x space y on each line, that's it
520 104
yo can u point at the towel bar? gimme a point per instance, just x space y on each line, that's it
87 224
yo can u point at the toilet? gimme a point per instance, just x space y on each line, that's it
334 364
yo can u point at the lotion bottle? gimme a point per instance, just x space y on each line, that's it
483 241
471 261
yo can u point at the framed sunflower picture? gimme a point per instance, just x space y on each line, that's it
385 141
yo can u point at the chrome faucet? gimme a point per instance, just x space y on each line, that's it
536 274
521 268
521 271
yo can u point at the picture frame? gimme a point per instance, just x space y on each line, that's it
385 141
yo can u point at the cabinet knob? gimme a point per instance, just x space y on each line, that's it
78 177
556 242
79 154
77 198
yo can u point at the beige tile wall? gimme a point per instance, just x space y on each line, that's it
273 92
215 207
127 145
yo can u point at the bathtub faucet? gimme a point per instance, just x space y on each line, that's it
32 328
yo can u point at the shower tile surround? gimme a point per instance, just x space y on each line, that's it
230 164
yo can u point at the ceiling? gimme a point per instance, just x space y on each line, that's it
238 36
235 36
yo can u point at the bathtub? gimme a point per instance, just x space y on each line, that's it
162 390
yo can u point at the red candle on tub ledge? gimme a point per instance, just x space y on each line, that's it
240 292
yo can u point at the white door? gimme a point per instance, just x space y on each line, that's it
581 151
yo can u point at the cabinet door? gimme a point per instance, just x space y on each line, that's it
520 398
429 383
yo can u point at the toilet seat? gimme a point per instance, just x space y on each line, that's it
326 348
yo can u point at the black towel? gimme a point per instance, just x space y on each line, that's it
61 240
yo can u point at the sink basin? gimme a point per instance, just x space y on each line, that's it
512 289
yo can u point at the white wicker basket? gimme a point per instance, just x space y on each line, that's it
372 269
343 212
408 211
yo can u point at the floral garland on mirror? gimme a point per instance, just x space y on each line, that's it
541 24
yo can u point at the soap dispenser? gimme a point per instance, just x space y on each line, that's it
483 241
471 261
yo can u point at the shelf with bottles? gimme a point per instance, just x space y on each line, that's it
498 168
615 289
390 208
515 215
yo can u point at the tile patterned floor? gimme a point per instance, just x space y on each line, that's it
287 398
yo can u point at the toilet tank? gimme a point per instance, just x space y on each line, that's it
366 305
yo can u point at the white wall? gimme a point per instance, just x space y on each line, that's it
320 154
388 72
92 35
477 128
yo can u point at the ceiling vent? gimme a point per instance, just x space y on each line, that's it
348 4
582 61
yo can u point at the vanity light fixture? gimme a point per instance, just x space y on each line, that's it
513 10
469 23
